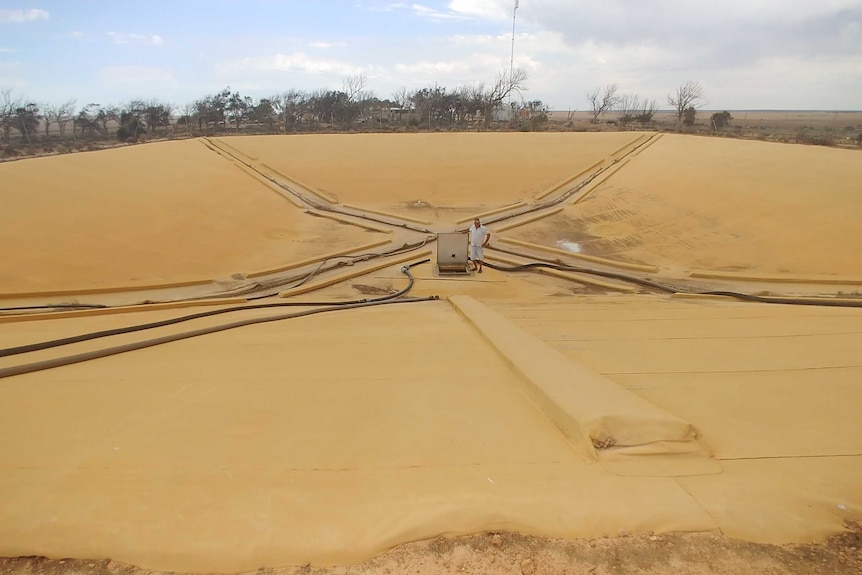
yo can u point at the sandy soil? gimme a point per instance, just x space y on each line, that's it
704 203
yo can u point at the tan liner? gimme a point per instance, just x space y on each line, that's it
233 150
492 212
683 295
217 147
386 214
571 276
286 195
587 258
355 273
601 179
115 289
539 216
590 409
568 180
344 219
317 259
736 276
326 196
631 144
647 145
116 310
775 298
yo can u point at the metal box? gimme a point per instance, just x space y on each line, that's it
452 253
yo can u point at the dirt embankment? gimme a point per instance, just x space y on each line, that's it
691 554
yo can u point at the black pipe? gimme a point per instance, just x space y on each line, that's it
56 306
152 325
87 356
668 289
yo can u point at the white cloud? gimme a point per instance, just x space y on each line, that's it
7 50
434 14
295 62
490 9
135 75
788 83
19 16
742 52
451 72
141 39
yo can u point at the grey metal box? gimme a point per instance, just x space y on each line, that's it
452 252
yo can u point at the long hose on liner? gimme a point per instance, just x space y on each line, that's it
668 289
324 307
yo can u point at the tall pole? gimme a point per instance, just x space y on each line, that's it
512 57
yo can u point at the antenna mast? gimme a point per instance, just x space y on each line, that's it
512 57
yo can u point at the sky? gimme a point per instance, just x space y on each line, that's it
747 54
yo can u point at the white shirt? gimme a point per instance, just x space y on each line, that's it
478 235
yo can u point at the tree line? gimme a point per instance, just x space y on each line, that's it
352 107
476 105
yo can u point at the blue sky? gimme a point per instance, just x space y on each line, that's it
775 54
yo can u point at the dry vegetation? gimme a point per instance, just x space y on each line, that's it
678 553
837 129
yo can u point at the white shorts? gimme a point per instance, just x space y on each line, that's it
477 253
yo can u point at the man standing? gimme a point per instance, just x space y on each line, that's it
479 238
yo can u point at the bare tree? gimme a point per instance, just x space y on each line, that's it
402 98
50 115
187 114
647 110
9 102
686 96
58 114
26 120
291 107
473 100
602 100
505 84
65 113
633 109
354 87
628 106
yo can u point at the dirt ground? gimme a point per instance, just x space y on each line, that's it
679 553
838 129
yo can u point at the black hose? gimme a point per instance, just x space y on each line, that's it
81 357
56 306
152 325
788 300
320 269
668 289
575 269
